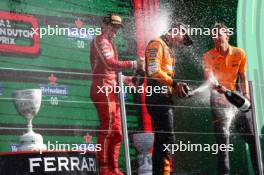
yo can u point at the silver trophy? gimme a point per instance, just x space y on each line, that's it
27 103
143 143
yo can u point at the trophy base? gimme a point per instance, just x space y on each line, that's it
143 143
31 141
145 164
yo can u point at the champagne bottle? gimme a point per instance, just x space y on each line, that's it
238 100
188 91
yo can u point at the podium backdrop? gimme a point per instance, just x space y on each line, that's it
59 65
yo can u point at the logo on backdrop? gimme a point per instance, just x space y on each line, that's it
81 32
16 35
53 90
13 147
49 163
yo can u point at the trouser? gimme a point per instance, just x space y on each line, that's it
162 120
223 115
110 134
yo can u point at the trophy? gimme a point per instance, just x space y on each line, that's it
27 103
143 143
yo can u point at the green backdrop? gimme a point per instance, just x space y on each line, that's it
67 119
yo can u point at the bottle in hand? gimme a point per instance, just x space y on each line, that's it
238 100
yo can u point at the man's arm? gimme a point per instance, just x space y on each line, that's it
244 85
210 77
207 69
107 56
243 76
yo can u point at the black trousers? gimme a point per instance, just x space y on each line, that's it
224 118
162 120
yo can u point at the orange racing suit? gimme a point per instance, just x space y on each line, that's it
160 62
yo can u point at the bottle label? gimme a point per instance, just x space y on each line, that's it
228 93
245 107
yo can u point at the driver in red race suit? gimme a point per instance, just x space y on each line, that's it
105 64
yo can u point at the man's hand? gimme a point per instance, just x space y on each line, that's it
141 63
138 77
179 89
220 89
127 80
246 95
214 84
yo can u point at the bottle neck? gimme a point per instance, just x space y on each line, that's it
228 92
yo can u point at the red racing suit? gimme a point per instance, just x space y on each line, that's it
105 64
